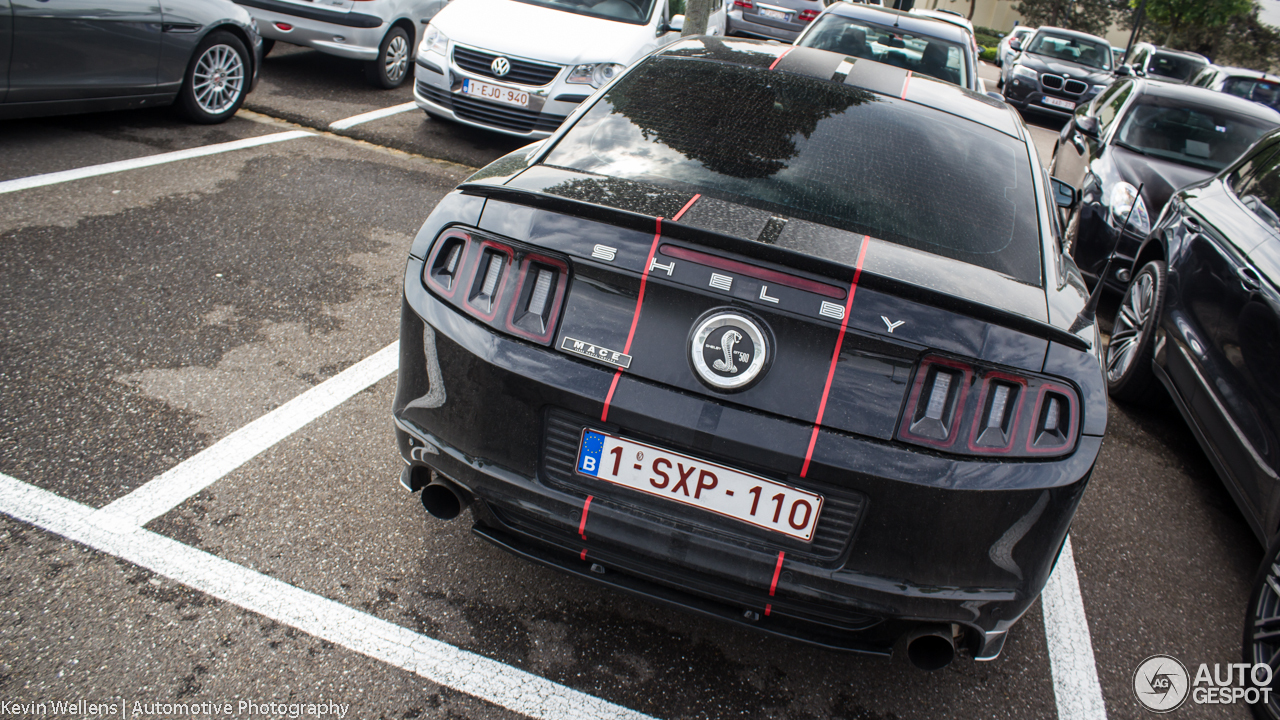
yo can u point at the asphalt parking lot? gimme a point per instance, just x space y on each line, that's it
198 480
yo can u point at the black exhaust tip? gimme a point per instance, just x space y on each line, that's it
441 500
931 648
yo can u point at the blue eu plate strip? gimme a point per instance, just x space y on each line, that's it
589 456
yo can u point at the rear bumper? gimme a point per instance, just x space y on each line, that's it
930 542
738 24
355 36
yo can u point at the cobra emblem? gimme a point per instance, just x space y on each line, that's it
727 342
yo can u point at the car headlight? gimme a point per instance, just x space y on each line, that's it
594 75
1023 71
434 41
1124 197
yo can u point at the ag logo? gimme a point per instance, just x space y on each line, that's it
1161 683
500 66
728 350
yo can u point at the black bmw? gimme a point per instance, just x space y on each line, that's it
1056 71
722 341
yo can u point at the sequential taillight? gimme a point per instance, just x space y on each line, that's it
502 284
941 410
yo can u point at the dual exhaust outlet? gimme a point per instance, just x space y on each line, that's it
929 647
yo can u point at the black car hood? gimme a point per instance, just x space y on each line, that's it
1042 64
1160 178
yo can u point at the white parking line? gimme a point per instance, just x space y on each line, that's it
201 470
54 178
439 662
1071 662
345 123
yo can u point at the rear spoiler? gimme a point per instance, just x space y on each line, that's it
777 255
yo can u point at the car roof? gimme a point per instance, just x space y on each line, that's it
1072 33
905 21
945 16
1170 51
1245 72
1205 96
863 73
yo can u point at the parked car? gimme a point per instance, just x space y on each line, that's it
1262 616
948 16
1252 85
1056 71
921 45
1004 51
1160 63
519 67
1148 134
708 345
1117 56
777 19
381 33
201 56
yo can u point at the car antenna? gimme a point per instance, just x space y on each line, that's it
1088 314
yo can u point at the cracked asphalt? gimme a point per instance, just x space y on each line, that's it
147 314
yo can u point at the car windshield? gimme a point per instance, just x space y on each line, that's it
1201 137
919 53
1176 67
1255 89
811 149
1072 49
629 11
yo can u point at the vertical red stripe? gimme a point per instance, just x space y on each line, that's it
905 82
835 356
784 54
582 526
777 570
687 205
635 317
583 556
768 609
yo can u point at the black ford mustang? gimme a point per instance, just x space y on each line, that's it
770 334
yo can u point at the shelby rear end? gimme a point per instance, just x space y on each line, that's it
706 346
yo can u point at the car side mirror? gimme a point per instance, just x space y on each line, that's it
1016 44
1124 71
675 24
1065 195
1087 125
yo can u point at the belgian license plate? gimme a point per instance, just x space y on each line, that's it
495 93
742 496
774 14
1055 102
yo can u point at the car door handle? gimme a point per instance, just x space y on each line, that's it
1249 279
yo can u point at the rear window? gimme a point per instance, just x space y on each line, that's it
820 151
1259 91
1176 67
919 53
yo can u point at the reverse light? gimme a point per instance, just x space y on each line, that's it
1005 414
506 287
1123 198
595 75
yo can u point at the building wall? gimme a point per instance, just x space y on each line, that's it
1000 15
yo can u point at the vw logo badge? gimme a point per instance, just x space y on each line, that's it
728 350
500 66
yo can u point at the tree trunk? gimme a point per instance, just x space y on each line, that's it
697 12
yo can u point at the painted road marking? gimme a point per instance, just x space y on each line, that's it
54 178
437 661
374 115
1071 662
206 467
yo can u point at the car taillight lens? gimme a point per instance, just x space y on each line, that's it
744 4
808 15
962 408
506 286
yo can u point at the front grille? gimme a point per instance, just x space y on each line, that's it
1052 82
841 508
492 114
1061 84
1075 87
522 72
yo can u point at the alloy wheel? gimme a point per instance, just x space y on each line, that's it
218 79
1130 325
1262 633
397 61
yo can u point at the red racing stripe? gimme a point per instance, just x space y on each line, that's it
768 609
583 556
784 54
582 526
777 570
905 83
635 316
835 356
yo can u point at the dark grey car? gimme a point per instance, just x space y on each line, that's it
69 56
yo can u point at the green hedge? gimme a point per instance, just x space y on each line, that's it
986 40
989 54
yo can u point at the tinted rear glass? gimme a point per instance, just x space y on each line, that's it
820 151
1177 67
1259 91
922 54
